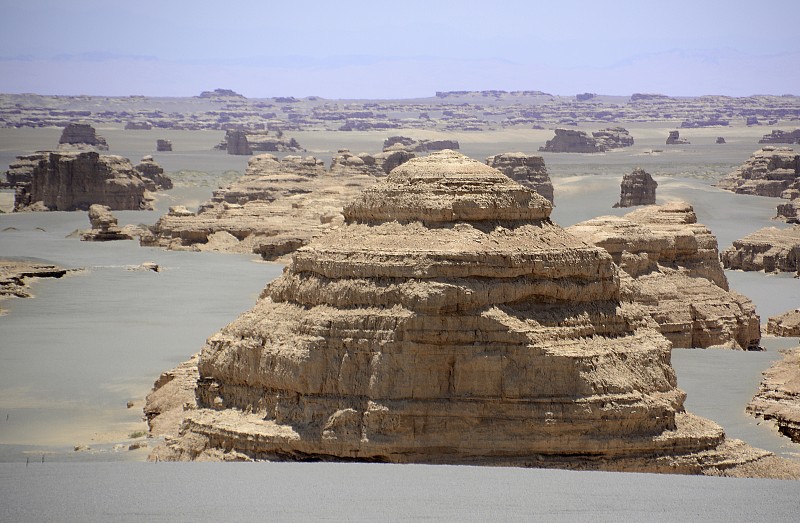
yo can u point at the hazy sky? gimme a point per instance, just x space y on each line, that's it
405 48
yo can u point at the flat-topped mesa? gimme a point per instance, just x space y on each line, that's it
572 141
780 136
769 249
671 268
637 188
68 181
786 324
527 170
448 320
778 396
82 134
674 138
768 172
613 138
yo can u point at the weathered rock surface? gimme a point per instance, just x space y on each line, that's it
68 181
173 394
778 396
786 324
529 171
78 134
105 227
236 143
779 136
245 142
153 175
20 172
768 172
276 207
346 163
720 140
613 138
769 249
163 145
15 276
572 141
637 188
671 268
448 321
400 143
674 138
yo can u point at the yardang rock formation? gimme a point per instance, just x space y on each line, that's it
448 320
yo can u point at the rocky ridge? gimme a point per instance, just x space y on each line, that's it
778 396
770 171
786 324
769 249
153 175
637 188
670 266
778 136
448 320
529 171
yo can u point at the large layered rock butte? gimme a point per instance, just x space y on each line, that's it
769 249
68 181
572 141
670 266
448 320
768 172
778 396
529 171
637 188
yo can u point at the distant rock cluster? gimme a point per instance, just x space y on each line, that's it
574 141
241 142
395 143
768 172
529 171
778 136
77 135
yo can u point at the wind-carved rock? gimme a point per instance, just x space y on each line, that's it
153 175
769 249
778 396
768 172
674 138
68 181
529 171
275 208
572 141
670 266
105 227
448 320
163 145
786 324
637 188
779 136
81 134
404 143
613 138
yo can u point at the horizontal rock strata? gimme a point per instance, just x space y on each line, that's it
572 141
153 175
448 320
529 171
769 249
778 396
768 172
671 267
82 134
786 324
15 275
105 227
674 138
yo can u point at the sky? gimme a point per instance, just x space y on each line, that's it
401 49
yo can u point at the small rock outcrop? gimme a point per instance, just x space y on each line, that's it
82 134
105 227
68 181
138 126
769 249
404 143
778 396
346 163
163 146
236 143
448 320
670 266
778 136
785 325
768 172
674 138
720 140
572 141
153 175
529 171
637 188
15 275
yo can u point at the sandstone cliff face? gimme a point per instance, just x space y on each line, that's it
275 208
613 138
786 324
77 134
163 145
769 249
400 143
448 320
153 175
778 396
572 141
768 172
68 181
671 268
637 188
529 171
